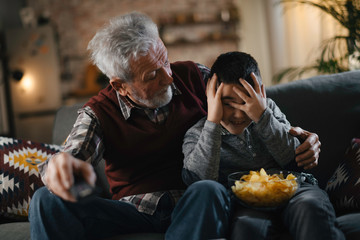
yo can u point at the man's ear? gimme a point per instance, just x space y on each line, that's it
119 86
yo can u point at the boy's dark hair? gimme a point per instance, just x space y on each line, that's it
231 66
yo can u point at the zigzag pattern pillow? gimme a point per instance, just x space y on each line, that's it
343 187
19 176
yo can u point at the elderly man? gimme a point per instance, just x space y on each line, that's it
137 125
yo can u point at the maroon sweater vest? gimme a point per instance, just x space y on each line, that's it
141 156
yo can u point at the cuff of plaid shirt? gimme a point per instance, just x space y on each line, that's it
148 202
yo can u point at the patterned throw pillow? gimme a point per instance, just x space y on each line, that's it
19 175
344 186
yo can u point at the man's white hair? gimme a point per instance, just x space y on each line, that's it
124 38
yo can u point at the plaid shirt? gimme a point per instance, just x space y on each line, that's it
86 142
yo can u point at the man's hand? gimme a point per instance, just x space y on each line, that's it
215 109
307 154
255 102
59 176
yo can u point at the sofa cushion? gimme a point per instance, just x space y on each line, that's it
344 185
19 176
15 231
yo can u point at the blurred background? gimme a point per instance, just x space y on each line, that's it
45 64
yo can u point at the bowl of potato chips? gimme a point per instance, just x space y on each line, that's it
264 190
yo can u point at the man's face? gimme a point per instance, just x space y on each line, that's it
234 120
152 79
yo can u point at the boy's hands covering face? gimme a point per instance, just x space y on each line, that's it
254 103
215 109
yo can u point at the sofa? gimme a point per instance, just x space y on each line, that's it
328 105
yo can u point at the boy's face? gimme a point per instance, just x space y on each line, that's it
234 120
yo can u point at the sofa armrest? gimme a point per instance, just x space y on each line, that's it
64 120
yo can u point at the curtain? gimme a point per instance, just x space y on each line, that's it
283 35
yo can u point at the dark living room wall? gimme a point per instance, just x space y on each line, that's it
192 30
76 21
9 18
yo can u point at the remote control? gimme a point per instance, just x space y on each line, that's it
81 189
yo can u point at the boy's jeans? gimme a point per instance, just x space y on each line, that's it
309 215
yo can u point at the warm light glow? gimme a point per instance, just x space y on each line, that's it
27 83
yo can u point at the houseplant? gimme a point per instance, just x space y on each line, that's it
336 51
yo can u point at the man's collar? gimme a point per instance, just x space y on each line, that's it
126 105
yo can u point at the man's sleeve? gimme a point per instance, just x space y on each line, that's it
84 141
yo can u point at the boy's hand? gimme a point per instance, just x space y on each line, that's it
215 109
254 104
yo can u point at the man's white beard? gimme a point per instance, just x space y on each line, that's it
159 100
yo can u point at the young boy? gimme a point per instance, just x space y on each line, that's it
244 130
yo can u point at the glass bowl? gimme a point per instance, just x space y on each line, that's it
267 190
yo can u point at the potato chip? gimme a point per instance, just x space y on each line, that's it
259 189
